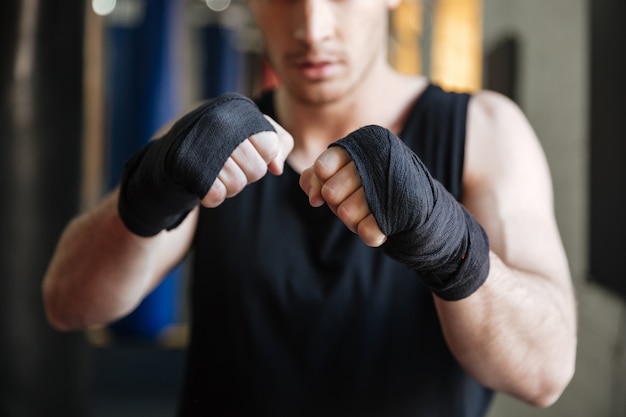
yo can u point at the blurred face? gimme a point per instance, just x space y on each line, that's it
323 49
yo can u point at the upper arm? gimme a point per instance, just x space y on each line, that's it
508 188
100 271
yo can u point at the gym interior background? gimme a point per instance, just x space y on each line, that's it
83 83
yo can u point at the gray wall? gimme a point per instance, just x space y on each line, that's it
553 92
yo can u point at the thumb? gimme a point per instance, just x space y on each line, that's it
285 146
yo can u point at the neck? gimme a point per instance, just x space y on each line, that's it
383 99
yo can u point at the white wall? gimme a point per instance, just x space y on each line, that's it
553 93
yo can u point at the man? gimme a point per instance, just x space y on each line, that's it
374 292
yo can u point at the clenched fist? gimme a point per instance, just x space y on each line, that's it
249 162
333 179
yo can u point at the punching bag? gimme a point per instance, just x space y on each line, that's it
222 64
42 371
142 89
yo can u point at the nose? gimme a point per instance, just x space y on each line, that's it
316 23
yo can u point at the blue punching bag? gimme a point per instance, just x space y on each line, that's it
222 63
142 95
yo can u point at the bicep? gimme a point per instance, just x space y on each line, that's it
507 187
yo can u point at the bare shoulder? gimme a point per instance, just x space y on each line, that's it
499 138
506 179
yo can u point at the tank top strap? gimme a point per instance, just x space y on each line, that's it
435 129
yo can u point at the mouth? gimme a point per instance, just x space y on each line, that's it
316 69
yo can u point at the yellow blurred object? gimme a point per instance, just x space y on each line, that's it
457 44
406 22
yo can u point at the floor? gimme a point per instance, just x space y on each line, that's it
135 380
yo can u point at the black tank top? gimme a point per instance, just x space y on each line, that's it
293 316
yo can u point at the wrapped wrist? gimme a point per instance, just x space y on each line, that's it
426 228
166 179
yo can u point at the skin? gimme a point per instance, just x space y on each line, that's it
516 334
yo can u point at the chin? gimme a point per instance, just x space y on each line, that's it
319 94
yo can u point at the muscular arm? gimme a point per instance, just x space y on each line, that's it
517 333
100 271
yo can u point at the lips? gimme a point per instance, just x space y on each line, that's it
316 69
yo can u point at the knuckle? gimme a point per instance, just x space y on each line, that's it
256 172
273 149
345 213
306 179
238 184
347 216
287 142
266 144
321 168
330 194
215 196
367 237
370 234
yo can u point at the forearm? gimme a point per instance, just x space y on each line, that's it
99 271
516 334
108 259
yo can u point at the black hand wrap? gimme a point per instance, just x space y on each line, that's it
164 181
426 228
